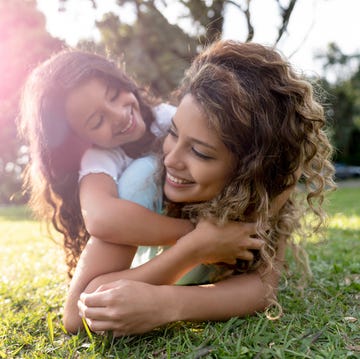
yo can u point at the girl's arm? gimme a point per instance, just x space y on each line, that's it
130 307
120 221
208 243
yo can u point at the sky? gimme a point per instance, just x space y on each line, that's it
313 24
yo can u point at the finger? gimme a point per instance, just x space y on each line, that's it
96 299
81 307
254 243
100 326
248 228
230 261
246 255
94 313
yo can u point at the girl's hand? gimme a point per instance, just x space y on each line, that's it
126 307
226 243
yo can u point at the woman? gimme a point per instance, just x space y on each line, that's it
246 128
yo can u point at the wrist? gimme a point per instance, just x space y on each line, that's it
186 227
190 249
173 308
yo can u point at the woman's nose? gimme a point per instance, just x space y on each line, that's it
173 157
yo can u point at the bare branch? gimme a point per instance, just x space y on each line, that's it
247 14
285 14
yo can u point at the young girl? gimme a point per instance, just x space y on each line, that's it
80 112
247 127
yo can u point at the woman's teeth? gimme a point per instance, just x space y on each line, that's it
177 180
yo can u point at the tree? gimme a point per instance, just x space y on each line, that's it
23 43
344 102
139 47
158 52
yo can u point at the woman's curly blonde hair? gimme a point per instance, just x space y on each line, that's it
268 118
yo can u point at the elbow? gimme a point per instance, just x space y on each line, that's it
71 318
269 291
96 225
72 323
270 303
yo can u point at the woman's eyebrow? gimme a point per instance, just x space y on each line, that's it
203 143
193 139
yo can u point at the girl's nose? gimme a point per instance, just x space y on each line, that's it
118 115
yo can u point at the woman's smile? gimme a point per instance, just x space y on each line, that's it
177 181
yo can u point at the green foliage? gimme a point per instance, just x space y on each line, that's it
320 321
344 103
155 52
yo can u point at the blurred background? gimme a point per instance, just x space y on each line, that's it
156 40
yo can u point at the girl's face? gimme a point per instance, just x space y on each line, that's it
104 116
198 165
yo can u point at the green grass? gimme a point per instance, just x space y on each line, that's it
320 322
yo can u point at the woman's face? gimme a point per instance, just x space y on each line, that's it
198 165
104 116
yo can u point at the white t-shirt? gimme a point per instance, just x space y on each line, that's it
114 161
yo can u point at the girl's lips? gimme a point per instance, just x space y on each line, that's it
176 180
130 124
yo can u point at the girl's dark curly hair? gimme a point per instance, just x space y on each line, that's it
55 151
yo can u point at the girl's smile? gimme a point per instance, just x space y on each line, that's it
103 115
131 123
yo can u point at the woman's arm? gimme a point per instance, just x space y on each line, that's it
120 221
130 307
102 262
98 257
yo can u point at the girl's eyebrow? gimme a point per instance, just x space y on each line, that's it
199 142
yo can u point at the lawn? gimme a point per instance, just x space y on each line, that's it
320 322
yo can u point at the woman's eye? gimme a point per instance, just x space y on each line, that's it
98 123
172 132
201 155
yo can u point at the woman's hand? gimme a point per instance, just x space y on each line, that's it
126 307
223 243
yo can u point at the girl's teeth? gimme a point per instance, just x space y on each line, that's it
128 125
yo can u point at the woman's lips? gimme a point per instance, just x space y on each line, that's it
176 180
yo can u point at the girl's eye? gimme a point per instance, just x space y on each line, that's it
98 123
201 155
114 94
